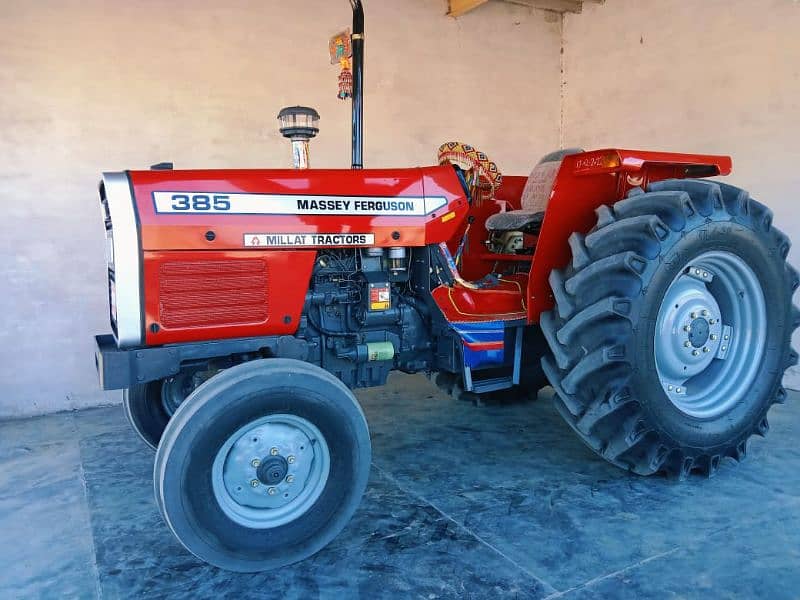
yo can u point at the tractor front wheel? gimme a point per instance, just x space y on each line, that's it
145 412
150 406
262 465
672 327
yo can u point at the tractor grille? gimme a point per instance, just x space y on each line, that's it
212 293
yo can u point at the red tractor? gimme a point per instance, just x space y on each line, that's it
247 304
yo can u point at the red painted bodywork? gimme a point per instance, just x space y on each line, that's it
505 302
188 231
582 186
216 305
584 182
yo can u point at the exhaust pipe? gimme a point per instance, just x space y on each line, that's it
357 38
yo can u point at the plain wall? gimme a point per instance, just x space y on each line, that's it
89 86
707 76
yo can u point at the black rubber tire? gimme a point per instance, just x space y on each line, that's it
218 408
602 330
534 345
145 411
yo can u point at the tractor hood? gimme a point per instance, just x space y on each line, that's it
235 209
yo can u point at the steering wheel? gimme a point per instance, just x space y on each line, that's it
482 172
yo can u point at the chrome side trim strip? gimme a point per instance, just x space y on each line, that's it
127 258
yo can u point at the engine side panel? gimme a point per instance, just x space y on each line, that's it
206 295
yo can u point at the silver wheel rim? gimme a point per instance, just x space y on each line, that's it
271 471
710 335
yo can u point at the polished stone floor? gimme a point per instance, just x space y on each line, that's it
498 501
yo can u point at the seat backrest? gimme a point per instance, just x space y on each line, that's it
539 186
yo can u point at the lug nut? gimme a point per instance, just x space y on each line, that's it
724 348
697 271
706 350
254 483
273 451
695 352
289 478
687 343
290 460
272 491
255 462
711 321
670 387
679 390
705 273
713 336
705 313
687 328
726 337
693 315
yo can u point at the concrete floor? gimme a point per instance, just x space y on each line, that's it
464 501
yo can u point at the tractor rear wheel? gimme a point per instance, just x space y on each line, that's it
672 327
262 465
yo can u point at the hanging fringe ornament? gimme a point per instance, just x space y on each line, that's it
341 50
345 80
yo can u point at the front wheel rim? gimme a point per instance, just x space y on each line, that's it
271 471
710 335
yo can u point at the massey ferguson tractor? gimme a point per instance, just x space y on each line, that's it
246 305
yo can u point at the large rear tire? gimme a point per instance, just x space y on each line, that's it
262 465
672 327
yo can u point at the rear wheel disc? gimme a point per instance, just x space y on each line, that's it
711 334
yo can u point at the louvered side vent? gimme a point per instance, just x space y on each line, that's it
212 293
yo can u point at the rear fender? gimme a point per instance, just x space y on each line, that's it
588 180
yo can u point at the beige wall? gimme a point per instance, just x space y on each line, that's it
94 85
716 76
98 85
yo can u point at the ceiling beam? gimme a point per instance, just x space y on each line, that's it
460 7
573 6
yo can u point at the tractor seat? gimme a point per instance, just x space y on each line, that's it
535 197
526 221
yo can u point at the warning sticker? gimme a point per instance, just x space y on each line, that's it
380 297
288 240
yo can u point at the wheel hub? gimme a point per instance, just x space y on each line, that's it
699 330
688 333
272 470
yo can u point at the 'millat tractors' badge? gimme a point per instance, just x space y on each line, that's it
341 50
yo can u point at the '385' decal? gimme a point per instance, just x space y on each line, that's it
200 202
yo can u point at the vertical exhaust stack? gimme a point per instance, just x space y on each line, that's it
358 84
